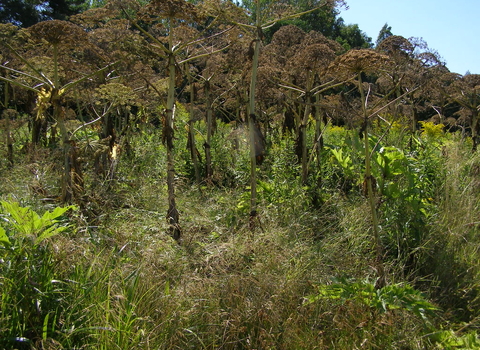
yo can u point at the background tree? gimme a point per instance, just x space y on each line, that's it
384 33
351 37
323 20
26 13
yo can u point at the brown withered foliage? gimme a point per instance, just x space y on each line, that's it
225 11
267 88
466 91
283 46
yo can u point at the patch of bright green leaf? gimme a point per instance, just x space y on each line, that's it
27 223
390 297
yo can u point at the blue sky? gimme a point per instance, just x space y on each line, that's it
450 27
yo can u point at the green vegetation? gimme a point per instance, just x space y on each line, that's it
109 275
317 196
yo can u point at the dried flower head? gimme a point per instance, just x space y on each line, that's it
313 57
116 93
288 36
95 17
358 61
179 10
7 30
314 37
396 46
57 32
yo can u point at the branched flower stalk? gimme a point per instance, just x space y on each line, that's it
369 182
356 63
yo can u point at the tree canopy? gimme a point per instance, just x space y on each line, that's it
25 13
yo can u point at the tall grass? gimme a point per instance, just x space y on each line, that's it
452 253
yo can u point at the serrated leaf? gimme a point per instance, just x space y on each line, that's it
24 219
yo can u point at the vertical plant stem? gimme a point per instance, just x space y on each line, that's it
475 127
67 183
9 141
368 180
251 117
208 153
7 126
173 216
303 127
191 135
318 138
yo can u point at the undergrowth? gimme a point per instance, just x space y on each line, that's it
108 276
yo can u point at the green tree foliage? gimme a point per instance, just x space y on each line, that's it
324 20
384 33
22 13
351 37
28 12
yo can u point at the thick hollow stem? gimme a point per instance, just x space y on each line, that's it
68 183
303 128
251 130
208 153
475 131
173 216
318 137
7 127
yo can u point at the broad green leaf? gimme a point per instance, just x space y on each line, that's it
56 213
24 219
28 223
